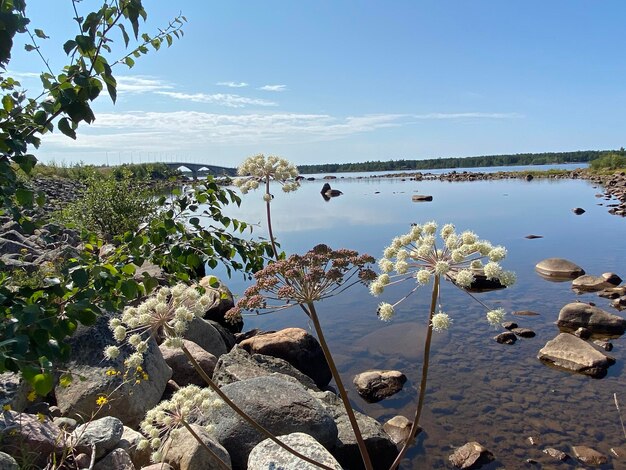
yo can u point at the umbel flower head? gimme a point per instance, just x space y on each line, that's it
258 169
420 256
301 279
165 314
166 419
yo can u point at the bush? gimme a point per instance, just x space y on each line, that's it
609 161
110 206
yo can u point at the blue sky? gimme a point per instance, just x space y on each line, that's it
346 81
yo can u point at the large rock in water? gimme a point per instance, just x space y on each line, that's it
559 268
267 454
374 385
588 283
572 353
577 314
297 347
281 406
128 400
470 455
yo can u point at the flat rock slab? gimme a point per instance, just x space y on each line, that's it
589 283
589 456
374 385
577 314
421 198
572 353
470 455
559 268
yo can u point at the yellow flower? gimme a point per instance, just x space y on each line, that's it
112 372
41 417
31 395
102 400
6 407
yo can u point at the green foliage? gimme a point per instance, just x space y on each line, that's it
110 206
609 161
454 162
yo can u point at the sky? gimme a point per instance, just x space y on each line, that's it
334 81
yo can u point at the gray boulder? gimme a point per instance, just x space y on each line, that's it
559 268
13 391
577 314
374 385
104 433
589 283
238 364
26 438
7 462
380 446
206 336
183 372
297 347
186 453
128 400
281 406
129 442
572 353
117 459
268 455
398 429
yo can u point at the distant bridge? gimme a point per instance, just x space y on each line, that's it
201 168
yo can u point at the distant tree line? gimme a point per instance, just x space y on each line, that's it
581 156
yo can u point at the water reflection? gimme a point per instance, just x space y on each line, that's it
478 390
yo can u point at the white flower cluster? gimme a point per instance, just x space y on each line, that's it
167 314
259 169
418 255
166 419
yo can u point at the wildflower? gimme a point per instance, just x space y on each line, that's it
303 279
167 313
259 169
495 317
458 258
41 417
31 395
161 422
6 407
102 400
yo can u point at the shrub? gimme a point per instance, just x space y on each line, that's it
609 161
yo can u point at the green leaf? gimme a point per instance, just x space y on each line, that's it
40 34
42 383
29 47
80 277
64 126
129 269
150 283
7 103
124 34
129 289
129 62
25 197
86 317
69 46
65 380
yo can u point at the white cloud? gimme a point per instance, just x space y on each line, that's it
467 115
273 87
139 84
233 84
18 75
223 99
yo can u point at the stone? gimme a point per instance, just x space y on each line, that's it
186 453
525 313
128 400
509 325
470 455
582 333
578 210
606 345
7 462
619 452
559 268
612 278
13 391
295 346
67 424
380 446
572 353
267 454
577 314
238 364
129 442
206 336
105 433
533 440
507 337
523 332
25 437
421 198
117 459
556 454
398 429
588 283
533 237
290 409
217 312
82 460
183 372
374 385
159 466
589 456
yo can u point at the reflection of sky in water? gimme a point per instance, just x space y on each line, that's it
466 363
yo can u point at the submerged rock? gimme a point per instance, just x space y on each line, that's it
506 338
470 455
374 385
589 456
556 454
572 353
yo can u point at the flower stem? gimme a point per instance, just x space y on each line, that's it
422 391
342 391
243 414
269 218
221 463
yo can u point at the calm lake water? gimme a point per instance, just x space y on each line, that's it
479 390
